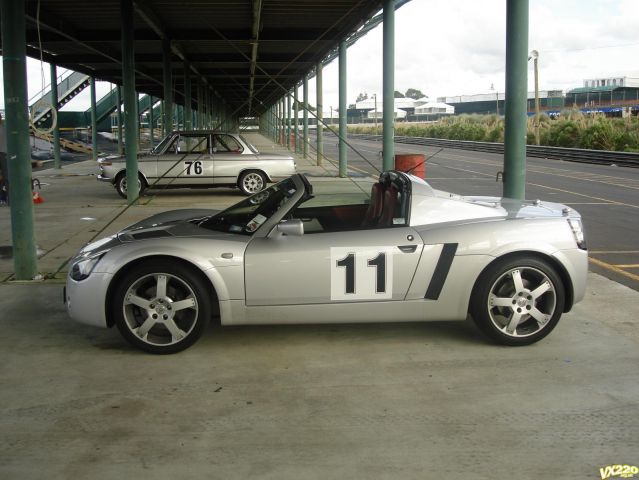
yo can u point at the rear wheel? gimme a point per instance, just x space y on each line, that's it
518 301
161 307
252 181
120 184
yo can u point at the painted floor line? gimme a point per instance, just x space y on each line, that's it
602 252
613 268
631 265
612 202
589 203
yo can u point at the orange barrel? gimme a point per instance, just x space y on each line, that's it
413 162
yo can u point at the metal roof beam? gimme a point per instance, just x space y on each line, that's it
257 12
67 31
153 21
193 35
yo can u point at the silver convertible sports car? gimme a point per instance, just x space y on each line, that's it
285 256
200 159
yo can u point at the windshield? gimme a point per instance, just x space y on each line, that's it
249 145
160 146
248 215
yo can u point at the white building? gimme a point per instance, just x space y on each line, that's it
611 82
401 103
491 97
431 108
399 113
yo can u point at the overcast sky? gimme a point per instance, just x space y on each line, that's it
457 47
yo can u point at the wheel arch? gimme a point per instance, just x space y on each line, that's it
109 304
556 264
254 169
123 172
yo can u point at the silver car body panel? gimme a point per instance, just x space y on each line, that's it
432 263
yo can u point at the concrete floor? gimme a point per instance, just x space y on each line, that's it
302 402
347 401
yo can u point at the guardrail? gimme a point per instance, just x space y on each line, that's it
601 157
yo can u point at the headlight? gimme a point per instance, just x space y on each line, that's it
578 232
83 267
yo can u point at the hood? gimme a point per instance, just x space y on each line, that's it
174 223
122 158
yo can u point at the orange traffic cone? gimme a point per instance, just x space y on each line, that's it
37 198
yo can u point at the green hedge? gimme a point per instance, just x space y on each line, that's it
572 129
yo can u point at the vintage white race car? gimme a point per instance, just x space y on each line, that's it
200 159
285 256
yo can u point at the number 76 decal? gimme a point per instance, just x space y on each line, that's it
361 273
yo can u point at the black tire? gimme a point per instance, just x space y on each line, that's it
139 296
518 300
252 181
120 184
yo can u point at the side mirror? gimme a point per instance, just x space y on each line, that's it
293 227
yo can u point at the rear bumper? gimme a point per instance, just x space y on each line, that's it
102 178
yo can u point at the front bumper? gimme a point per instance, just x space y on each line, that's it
102 178
86 300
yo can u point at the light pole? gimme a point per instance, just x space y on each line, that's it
535 56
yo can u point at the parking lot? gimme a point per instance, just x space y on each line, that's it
431 400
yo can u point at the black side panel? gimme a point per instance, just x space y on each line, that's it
441 271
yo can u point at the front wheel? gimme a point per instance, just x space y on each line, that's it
161 307
518 301
120 184
251 182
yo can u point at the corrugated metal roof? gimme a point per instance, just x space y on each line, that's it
215 36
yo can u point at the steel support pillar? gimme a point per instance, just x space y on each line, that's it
319 114
118 100
130 101
205 112
187 96
343 152
278 107
296 119
167 80
516 116
288 120
388 87
56 129
200 106
18 160
138 117
305 114
94 124
151 122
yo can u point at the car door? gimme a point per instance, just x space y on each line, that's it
230 157
186 161
329 267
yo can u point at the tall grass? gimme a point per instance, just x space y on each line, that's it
572 129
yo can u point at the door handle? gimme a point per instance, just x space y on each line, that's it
407 248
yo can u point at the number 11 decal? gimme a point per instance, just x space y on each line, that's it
379 262
361 273
349 263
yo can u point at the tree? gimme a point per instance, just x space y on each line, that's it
361 97
352 105
398 94
414 94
